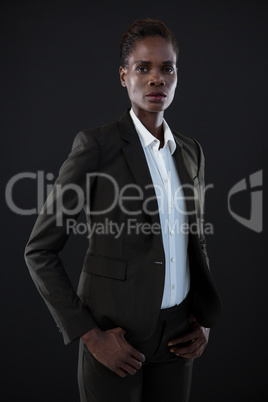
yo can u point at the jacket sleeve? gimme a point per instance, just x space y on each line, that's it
50 234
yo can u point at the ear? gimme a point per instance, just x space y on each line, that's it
122 72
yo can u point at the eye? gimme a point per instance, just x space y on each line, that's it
169 70
142 69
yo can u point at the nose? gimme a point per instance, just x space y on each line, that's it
156 80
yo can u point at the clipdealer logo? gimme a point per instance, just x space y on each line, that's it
255 221
251 186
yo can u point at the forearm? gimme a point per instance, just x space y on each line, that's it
54 285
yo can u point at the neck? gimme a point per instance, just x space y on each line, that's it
153 121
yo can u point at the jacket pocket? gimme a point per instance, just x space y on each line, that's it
104 266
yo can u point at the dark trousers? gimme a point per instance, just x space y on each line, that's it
163 377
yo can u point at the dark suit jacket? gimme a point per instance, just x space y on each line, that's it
122 279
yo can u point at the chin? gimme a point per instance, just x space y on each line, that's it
153 108
157 108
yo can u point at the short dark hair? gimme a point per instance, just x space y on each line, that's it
141 29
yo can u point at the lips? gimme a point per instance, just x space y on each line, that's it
156 96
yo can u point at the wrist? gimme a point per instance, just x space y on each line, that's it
90 337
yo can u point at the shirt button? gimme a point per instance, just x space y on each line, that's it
165 180
170 205
172 232
173 286
172 259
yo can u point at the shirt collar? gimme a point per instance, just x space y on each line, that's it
148 139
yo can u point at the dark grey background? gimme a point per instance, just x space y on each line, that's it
59 75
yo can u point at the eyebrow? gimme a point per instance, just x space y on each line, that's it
149 62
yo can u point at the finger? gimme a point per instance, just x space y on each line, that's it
191 351
197 353
122 332
134 352
122 373
184 349
134 363
137 355
188 337
182 339
190 346
118 331
128 368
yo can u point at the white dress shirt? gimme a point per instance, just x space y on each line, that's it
172 210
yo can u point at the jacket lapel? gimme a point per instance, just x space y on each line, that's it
137 162
186 180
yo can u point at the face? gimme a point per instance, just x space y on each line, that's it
151 75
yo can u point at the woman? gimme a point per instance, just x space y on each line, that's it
145 297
